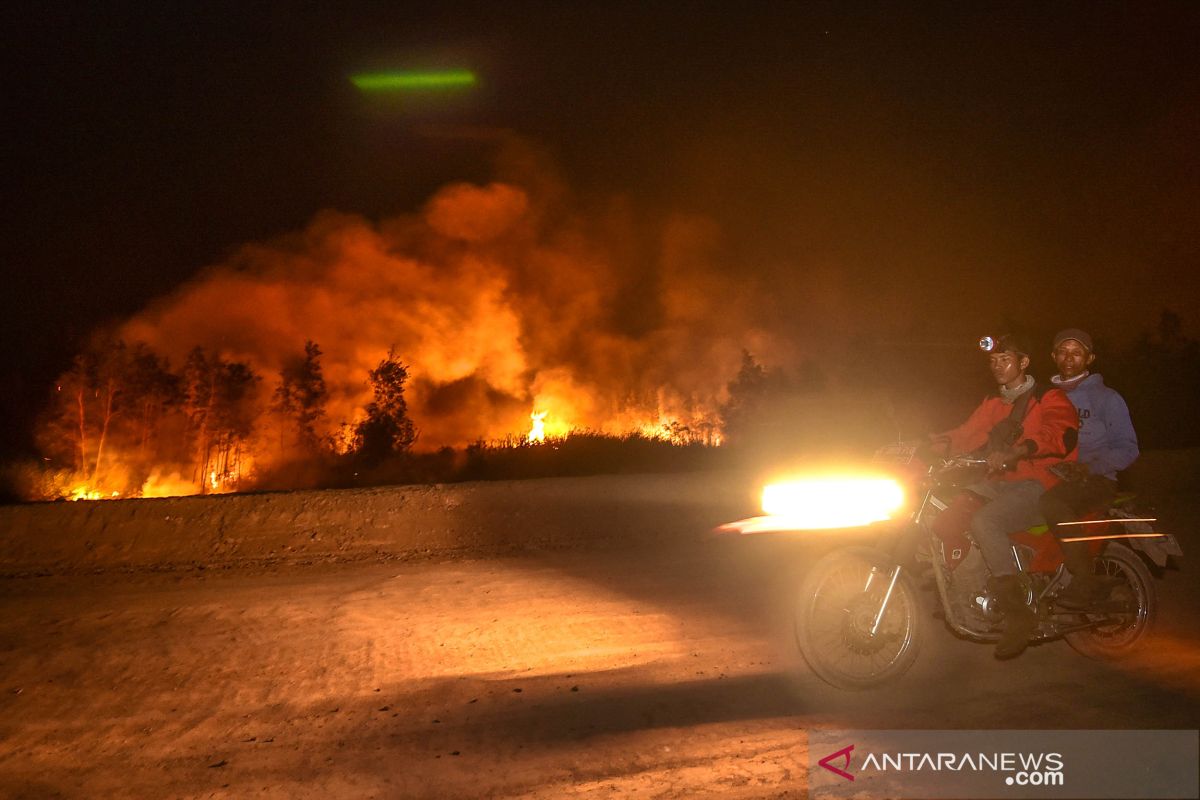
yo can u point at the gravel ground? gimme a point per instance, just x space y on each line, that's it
661 671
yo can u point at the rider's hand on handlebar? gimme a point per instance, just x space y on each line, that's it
1000 460
997 460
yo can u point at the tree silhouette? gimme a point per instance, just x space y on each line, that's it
387 430
758 397
221 405
747 394
153 392
301 395
88 399
63 431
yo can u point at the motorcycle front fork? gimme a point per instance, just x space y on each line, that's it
891 576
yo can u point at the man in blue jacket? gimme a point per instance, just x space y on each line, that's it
1107 445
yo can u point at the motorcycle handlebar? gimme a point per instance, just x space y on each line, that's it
937 462
964 461
953 463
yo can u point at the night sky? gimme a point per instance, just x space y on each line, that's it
960 163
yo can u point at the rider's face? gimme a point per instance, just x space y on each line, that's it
1008 368
1071 358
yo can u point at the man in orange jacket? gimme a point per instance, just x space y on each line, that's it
1023 430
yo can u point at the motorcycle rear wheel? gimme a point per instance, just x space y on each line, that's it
1120 637
834 616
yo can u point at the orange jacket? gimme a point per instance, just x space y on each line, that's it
1051 427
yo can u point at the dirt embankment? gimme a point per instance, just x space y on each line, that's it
399 521
404 521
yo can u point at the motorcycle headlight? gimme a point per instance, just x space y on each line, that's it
835 502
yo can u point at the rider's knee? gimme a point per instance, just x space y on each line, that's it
1054 509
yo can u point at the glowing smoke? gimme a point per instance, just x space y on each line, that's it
499 305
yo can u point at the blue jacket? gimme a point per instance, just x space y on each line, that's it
1107 443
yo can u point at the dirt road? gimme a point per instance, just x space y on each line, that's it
664 672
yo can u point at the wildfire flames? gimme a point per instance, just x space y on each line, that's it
495 310
85 492
509 313
537 432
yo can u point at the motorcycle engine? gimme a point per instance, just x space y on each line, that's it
967 589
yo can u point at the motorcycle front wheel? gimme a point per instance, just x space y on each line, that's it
1117 635
839 601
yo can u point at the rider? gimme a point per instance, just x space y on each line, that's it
1107 445
1022 431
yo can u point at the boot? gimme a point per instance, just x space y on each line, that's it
1086 587
1019 620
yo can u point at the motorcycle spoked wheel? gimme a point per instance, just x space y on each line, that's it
834 616
1119 634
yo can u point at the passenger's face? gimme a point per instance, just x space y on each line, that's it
1071 358
1008 368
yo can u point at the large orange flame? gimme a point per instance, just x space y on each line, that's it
537 431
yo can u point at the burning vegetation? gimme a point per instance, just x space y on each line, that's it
123 424
489 317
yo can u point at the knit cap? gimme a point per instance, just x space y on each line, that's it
1073 333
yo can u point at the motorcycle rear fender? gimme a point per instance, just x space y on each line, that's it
1157 550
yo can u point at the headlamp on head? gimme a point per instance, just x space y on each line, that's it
1003 343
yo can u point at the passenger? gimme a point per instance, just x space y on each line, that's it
1022 431
1107 445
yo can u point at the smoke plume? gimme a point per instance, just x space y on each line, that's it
502 299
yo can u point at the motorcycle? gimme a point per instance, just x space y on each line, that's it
859 623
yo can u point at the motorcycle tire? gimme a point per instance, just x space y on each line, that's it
834 616
1127 631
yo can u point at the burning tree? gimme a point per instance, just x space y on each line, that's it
300 400
221 405
153 395
91 401
67 426
387 430
105 416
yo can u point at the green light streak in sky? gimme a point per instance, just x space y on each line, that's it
402 81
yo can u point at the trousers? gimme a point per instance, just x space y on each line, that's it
1071 500
1012 506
